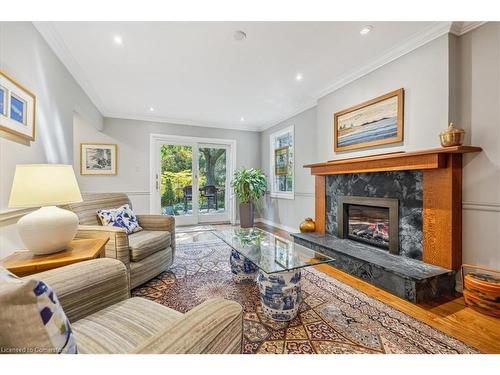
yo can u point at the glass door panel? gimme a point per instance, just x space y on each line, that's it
212 181
177 181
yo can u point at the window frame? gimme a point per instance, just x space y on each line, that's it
272 141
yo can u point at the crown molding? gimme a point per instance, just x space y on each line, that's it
54 40
437 29
288 116
418 40
174 121
461 28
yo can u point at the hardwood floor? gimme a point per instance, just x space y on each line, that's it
450 316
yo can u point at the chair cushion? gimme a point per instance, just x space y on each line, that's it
31 318
146 242
123 326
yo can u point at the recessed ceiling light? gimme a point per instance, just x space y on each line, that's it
151 109
118 40
299 77
365 30
239 35
242 119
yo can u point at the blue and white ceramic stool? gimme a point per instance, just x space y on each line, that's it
242 268
280 294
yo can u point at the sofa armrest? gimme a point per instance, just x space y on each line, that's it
117 246
159 222
86 287
215 326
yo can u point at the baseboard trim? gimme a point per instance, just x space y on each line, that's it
277 225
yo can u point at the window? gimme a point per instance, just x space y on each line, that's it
282 163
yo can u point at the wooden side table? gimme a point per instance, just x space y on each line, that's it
24 263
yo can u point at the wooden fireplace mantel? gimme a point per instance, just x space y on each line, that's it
442 194
396 161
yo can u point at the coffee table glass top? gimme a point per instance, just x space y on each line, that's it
270 253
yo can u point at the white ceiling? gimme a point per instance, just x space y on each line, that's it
197 73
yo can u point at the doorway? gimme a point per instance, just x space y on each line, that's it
191 179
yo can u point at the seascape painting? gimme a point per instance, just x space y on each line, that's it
98 159
379 121
3 96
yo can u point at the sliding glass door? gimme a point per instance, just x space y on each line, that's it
191 180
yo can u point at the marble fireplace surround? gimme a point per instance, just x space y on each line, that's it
428 184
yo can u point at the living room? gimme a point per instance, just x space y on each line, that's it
243 187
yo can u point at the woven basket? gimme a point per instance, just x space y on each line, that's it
482 289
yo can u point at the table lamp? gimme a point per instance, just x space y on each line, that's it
49 229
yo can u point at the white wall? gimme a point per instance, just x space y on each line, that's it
25 56
133 140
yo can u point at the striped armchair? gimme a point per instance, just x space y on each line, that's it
146 253
105 320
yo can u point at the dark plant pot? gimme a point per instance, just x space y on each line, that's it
246 215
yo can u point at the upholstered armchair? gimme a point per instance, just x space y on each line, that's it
146 253
96 299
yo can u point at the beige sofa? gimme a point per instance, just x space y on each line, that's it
146 253
95 297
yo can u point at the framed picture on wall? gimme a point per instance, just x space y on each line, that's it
98 159
17 108
376 122
281 161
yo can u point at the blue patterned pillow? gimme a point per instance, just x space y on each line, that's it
122 217
31 318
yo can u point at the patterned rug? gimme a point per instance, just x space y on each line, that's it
333 318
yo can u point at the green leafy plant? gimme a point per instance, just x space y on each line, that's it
249 185
168 197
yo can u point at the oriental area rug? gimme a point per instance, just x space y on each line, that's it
334 318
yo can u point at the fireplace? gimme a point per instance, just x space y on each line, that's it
374 221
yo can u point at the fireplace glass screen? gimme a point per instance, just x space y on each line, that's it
368 224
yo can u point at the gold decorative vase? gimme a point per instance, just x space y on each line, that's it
452 136
308 225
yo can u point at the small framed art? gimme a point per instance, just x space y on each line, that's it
17 108
98 159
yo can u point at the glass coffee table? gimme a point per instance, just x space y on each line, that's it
275 263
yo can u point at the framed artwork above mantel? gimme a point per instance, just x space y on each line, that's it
375 122
17 108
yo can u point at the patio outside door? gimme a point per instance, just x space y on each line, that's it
191 180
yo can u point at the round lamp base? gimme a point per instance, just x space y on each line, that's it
48 229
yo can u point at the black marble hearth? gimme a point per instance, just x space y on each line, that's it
407 278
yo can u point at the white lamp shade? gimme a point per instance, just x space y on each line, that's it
37 185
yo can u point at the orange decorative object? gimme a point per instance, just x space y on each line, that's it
308 225
482 289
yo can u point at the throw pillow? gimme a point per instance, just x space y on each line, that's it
122 217
31 318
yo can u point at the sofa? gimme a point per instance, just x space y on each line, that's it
96 299
146 253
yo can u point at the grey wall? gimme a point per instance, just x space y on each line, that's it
133 139
26 57
478 111
424 75
285 212
449 79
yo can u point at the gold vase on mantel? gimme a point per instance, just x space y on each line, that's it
307 226
452 136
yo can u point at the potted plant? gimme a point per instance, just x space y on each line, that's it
249 186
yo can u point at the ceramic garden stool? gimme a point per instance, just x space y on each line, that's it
242 268
280 294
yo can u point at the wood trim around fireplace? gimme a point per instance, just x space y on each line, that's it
442 195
